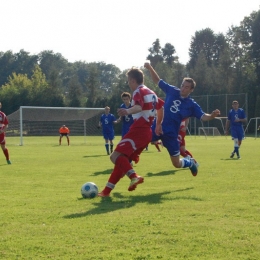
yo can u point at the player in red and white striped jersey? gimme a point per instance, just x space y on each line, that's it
143 108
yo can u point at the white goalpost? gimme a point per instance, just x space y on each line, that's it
46 121
256 124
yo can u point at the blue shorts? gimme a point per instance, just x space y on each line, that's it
109 136
237 132
171 143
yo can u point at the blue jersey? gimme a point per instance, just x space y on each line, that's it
107 122
237 130
177 108
127 120
233 115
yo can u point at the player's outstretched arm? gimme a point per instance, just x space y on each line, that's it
154 75
133 110
207 117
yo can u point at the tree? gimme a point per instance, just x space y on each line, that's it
75 92
207 43
168 54
156 54
92 84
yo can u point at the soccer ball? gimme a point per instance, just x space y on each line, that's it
89 190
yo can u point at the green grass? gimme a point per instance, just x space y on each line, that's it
172 215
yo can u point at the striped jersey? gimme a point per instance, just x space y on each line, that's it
148 100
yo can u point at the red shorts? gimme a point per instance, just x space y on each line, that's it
181 138
2 138
134 142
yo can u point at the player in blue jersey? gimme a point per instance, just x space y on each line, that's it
107 122
236 117
178 106
127 120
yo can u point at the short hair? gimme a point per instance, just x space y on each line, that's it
136 74
235 102
106 107
190 80
126 94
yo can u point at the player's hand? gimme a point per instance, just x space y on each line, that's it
122 112
158 129
147 64
215 113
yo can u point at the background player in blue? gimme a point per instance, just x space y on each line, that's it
107 122
127 120
236 117
178 106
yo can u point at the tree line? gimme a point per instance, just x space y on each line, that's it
219 63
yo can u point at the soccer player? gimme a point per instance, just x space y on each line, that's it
64 131
127 120
236 117
107 122
144 105
3 127
178 106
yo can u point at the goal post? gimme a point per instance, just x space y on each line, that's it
46 121
209 131
257 123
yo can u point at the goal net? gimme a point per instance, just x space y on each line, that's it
209 131
46 121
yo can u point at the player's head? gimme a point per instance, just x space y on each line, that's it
107 109
126 97
235 104
135 77
187 86
63 126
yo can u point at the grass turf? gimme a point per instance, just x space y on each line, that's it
172 215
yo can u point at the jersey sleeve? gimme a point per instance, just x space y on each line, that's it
159 104
165 87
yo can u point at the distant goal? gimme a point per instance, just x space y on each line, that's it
46 121
208 131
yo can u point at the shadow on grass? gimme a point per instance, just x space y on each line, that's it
97 155
108 204
107 171
229 159
163 173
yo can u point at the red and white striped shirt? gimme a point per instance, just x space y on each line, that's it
148 100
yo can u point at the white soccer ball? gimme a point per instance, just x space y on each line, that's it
89 190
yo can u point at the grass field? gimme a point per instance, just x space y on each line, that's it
172 215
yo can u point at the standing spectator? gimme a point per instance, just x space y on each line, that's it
64 131
3 127
236 117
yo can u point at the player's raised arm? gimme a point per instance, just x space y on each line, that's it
154 75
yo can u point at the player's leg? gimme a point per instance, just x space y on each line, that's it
106 142
6 152
173 147
68 139
111 137
115 176
60 139
235 139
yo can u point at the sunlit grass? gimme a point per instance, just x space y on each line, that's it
172 215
